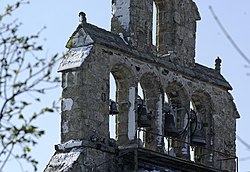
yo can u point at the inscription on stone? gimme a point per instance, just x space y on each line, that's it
75 57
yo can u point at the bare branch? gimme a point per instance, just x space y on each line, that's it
243 142
8 156
229 37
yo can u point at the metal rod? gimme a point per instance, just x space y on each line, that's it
230 157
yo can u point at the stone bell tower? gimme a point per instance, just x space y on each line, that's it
186 119
175 27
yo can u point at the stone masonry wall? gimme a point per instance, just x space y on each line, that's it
176 30
166 72
134 19
86 94
175 27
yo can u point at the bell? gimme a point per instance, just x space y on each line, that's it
196 137
170 129
144 119
112 107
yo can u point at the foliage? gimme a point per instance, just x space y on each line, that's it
24 78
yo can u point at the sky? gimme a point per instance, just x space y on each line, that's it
61 19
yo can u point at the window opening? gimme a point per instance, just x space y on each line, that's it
191 148
112 117
141 134
169 122
197 138
154 25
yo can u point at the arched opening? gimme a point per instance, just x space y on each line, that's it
154 25
153 96
125 100
192 150
178 105
172 124
165 27
112 116
141 133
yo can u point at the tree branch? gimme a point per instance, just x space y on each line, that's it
229 37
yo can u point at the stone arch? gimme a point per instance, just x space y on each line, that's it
153 95
125 98
123 75
203 105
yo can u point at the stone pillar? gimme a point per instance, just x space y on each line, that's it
126 118
218 64
225 132
85 99
71 115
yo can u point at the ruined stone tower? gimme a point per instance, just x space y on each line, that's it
186 119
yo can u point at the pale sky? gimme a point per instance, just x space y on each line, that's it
61 19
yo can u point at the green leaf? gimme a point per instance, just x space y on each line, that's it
40 48
26 149
42 132
48 110
34 116
2 136
26 47
20 116
12 102
9 9
25 103
31 129
17 4
36 64
16 72
28 66
8 128
18 85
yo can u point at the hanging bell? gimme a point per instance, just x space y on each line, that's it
113 108
170 127
196 137
144 119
